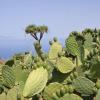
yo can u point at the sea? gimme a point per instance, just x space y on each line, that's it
10 47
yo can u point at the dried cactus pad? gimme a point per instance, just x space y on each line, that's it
55 48
84 85
50 90
71 97
64 65
35 82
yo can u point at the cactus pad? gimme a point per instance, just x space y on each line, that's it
88 41
55 48
28 60
95 72
83 85
35 82
7 77
50 90
70 97
3 96
20 75
72 46
98 95
86 52
12 94
98 84
64 65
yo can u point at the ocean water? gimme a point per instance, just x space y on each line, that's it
10 47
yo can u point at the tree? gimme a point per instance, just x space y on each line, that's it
42 29
33 30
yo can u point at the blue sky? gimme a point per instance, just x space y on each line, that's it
61 16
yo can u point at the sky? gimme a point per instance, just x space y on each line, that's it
61 17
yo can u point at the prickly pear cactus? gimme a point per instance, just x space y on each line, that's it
84 85
27 62
1 88
98 95
70 73
64 65
55 48
86 52
82 51
39 50
72 46
71 77
3 96
98 83
50 90
95 72
68 96
7 77
66 89
35 82
12 94
20 75
88 41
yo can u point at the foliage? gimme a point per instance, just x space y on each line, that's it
64 73
33 30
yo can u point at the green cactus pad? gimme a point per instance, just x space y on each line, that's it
12 94
55 48
83 85
88 41
35 82
64 65
95 72
20 75
7 77
50 90
98 95
72 46
98 84
86 52
28 60
3 96
70 97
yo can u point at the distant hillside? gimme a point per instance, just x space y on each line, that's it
2 61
